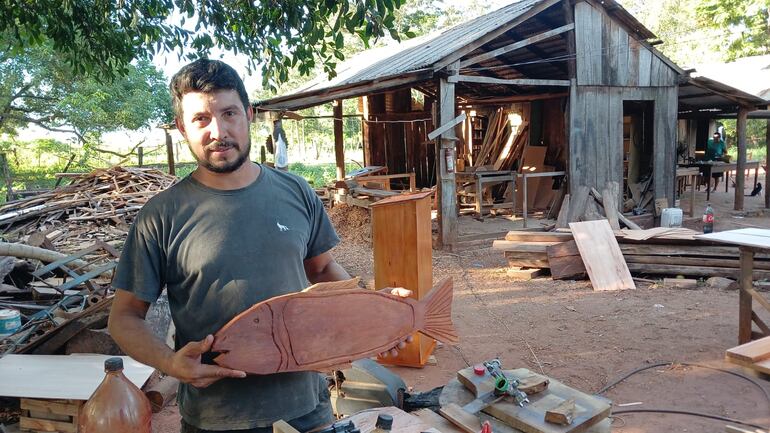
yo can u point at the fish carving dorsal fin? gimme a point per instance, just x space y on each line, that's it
329 286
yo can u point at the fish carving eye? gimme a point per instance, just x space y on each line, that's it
256 320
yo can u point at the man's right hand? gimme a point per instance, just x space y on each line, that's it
186 365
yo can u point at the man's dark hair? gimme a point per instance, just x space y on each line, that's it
205 76
717 133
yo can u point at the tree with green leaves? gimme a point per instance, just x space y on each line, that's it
103 37
38 88
749 21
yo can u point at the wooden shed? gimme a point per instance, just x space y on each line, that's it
578 75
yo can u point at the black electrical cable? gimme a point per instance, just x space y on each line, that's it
685 412
661 364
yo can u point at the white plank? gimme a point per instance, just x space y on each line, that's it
601 255
61 376
758 238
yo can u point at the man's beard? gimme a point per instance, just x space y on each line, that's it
226 166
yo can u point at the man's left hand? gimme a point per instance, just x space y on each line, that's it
404 293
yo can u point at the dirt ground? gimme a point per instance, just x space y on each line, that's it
584 338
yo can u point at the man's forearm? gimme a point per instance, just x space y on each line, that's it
331 272
135 337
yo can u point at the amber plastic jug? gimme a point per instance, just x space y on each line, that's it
117 405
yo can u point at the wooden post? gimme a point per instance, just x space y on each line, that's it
6 176
740 180
744 298
446 153
767 164
140 156
170 153
339 144
365 143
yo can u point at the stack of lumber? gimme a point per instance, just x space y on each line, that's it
100 200
640 195
754 354
657 251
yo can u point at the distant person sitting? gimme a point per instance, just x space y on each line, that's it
715 150
757 189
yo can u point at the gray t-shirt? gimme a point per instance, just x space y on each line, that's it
218 253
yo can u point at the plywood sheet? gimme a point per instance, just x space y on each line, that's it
758 238
753 351
72 377
601 255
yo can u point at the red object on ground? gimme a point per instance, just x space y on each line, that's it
486 428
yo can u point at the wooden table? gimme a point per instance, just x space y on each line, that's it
711 167
689 174
487 178
750 241
524 177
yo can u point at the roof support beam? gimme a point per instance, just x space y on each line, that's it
472 46
517 45
348 91
696 95
511 82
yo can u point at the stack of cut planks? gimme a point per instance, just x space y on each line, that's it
657 251
754 354
102 200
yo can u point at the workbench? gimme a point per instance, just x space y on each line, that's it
750 242
712 167
690 176
485 179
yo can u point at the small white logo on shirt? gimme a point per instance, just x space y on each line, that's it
281 227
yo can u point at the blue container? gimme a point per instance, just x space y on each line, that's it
10 322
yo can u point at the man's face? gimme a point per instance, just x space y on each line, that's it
716 137
217 129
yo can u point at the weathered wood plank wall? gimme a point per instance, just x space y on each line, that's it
608 55
613 66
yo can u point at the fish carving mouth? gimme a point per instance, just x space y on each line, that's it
210 356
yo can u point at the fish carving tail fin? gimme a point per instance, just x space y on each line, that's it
438 313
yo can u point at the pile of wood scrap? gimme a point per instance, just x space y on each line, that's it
58 300
588 204
659 251
500 146
103 200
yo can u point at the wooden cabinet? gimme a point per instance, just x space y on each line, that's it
403 254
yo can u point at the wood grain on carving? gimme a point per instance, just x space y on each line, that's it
327 326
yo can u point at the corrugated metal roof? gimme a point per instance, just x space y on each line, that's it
418 53
418 56
749 74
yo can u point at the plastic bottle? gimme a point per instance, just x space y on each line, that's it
708 219
117 405
384 424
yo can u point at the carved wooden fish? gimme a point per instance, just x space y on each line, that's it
325 327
